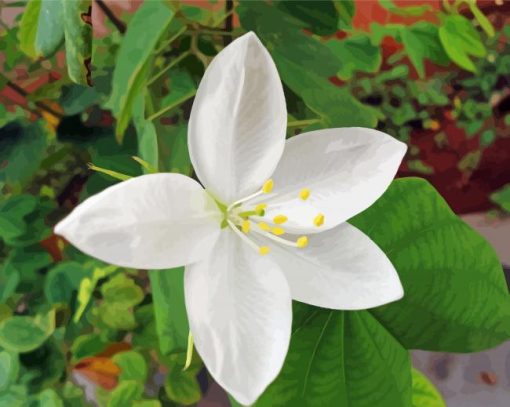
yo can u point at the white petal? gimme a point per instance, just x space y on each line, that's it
341 268
236 131
240 314
151 222
346 170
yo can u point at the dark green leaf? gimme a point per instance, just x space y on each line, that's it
169 309
320 17
63 282
456 298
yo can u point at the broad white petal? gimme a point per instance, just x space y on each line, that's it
341 268
346 170
153 221
236 131
240 314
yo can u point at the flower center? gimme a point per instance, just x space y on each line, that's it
241 220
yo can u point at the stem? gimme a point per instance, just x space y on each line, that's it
209 32
40 105
303 123
121 27
169 41
229 21
169 66
189 352
171 106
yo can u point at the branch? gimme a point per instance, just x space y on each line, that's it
229 21
121 27
40 105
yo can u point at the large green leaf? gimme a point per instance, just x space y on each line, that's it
169 309
50 29
23 333
424 392
461 40
78 39
134 58
345 359
28 28
456 298
421 41
320 17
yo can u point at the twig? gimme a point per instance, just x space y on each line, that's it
229 21
121 27
40 105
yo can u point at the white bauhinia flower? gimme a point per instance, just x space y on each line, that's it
250 248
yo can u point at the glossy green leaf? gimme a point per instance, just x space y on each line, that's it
169 309
460 41
320 17
134 58
456 298
50 29
28 28
24 333
87 345
357 54
346 359
424 392
132 366
9 369
421 41
182 386
78 40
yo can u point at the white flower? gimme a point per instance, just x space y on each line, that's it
238 298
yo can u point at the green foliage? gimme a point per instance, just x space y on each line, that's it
502 197
424 392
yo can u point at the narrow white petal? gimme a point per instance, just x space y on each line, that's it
153 221
236 131
240 314
341 268
346 170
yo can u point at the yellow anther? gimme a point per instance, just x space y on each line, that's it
245 226
319 220
263 250
264 226
302 242
268 186
304 194
260 209
279 219
278 231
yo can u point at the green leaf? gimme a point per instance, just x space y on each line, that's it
502 197
480 17
320 17
174 141
22 146
123 291
14 397
169 309
63 282
411 11
24 334
49 398
456 298
357 54
422 41
424 392
132 366
12 216
147 136
28 28
182 387
346 359
87 345
134 58
182 88
125 394
50 29
78 40
346 10
9 369
461 40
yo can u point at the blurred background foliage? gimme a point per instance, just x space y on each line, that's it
435 75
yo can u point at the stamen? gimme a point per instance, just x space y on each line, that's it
302 242
277 231
319 220
278 239
252 244
260 209
304 194
268 186
246 226
264 226
279 219
263 250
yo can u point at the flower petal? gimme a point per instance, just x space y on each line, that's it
237 126
346 171
151 222
341 268
240 314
